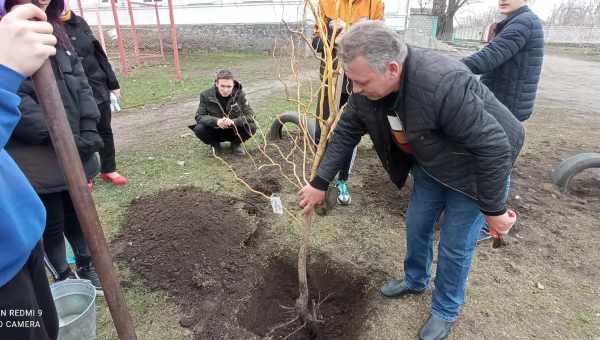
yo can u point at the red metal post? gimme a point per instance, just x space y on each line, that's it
160 36
174 42
124 65
80 8
100 31
136 39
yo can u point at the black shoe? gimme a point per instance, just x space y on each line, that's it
66 275
214 148
89 273
435 329
397 289
237 149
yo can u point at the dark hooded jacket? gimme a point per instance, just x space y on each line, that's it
30 144
461 135
98 70
511 63
236 108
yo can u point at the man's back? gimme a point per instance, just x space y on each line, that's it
512 63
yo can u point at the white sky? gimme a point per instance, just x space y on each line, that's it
541 7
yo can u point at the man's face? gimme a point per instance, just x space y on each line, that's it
506 7
370 83
225 86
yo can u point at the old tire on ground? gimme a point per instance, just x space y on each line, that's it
570 167
275 132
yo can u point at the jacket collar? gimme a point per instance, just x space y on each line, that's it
513 15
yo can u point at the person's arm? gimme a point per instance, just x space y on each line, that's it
202 114
247 116
462 118
88 141
32 128
9 103
503 47
346 135
111 77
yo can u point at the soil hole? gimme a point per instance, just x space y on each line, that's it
340 296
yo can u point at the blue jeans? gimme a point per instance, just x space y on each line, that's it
458 239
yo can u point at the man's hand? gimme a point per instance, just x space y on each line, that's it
337 24
502 223
309 197
26 44
224 123
117 93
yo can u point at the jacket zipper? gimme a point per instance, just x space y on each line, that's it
447 185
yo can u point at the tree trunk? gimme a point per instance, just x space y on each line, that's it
445 27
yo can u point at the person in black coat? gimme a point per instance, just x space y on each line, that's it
511 63
30 146
103 81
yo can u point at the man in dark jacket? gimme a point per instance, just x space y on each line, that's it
427 114
224 115
511 63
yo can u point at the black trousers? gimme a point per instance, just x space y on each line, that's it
345 171
28 291
212 135
107 153
61 221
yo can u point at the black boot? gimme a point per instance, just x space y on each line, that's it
67 274
237 149
397 289
435 329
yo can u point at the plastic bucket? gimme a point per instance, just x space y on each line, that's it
75 302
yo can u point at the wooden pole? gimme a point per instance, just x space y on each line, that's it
68 157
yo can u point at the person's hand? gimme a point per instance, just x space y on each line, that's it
502 223
309 197
221 123
337 24
26 43
117 93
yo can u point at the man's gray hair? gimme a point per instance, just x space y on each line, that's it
374 41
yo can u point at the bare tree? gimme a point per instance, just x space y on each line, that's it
445 10
576 13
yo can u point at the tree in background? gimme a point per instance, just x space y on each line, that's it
446 10
575 13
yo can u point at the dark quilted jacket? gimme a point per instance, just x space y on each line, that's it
461 135
511 63
98 70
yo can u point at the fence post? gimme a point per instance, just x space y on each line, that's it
123 58
174 42
160 36
136 39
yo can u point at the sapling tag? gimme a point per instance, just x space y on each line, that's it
276 204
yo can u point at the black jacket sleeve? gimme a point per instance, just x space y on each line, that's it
346 135
32 128
88 141
247 114
203 115
112 81
462 117
504 46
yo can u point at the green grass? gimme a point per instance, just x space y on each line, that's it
153 84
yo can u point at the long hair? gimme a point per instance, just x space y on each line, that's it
53 12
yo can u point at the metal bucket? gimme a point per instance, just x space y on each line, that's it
75 302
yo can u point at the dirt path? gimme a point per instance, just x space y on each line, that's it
570 83
135 128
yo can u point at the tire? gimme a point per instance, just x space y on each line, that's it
275 132
570 167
